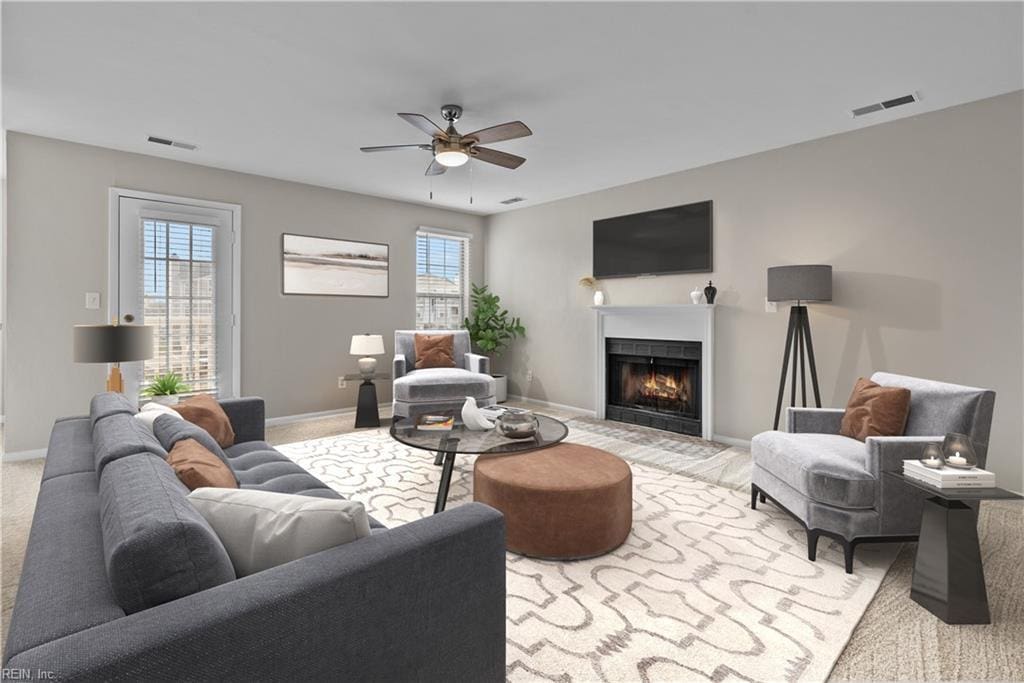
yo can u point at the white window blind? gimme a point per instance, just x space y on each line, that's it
442 280
178 279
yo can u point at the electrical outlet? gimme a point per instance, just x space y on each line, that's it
529 376
770 306
92 300
342 384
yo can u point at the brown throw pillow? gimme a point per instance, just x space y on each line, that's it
203 410
197 467
435 351
874 410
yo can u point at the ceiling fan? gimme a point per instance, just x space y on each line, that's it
451 149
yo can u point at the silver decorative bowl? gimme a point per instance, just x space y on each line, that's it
517 425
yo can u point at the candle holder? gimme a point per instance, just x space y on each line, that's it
958 451
932 457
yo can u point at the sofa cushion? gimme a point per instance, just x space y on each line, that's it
874 410
152 410
827 468
204 411
119 435
70 450
262 529
438 384
110 403
405 345
246 447
197 467
434 351
170 430
156 545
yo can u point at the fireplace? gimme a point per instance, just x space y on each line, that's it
654 384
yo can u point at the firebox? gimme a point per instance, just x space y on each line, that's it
655 384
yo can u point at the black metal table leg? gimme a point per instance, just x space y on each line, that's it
949 580
447 452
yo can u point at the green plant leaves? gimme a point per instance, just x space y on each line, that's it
491 327
166 385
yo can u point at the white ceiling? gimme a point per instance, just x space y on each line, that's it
614 92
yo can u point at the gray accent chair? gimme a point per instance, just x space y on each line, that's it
417 392
834 485
124 581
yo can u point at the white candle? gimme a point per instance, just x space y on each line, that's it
957 459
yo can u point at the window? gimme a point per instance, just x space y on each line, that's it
442 279
178 283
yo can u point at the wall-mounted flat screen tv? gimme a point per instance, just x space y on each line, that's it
673 240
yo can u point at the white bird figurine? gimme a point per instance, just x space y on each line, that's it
472 417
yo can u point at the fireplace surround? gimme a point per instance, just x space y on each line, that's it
654 383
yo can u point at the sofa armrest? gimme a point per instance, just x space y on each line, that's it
424 601
813 420
398 366
248 417
477 363
887 453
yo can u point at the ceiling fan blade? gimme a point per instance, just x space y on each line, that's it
391 148
506 131
493 156
435 168
425 124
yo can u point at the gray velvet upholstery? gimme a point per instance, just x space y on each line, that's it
424 601
836 485
110 403
247 416
170 430
436 389
156 545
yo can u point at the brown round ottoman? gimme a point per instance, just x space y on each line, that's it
564 502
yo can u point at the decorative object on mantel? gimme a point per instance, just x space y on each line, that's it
491 329
710 292
696 295
367 346
932 456
799 284
473 418
113 344
958 451
591 283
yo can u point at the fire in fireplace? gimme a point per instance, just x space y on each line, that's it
654 383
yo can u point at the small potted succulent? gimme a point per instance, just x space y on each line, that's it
165 389
491 328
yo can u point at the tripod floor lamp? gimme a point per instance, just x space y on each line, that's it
800 284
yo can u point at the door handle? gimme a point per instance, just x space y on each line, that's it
129 318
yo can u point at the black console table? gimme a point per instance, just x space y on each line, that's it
949 580
367 412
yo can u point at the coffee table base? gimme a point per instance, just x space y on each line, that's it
446 459
948 577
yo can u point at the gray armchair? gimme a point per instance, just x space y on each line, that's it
417 392
834 486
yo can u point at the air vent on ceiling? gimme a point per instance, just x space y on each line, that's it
886 104
513 200
171 143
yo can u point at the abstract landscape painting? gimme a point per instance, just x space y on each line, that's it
318 265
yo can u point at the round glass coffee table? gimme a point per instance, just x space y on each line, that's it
462 441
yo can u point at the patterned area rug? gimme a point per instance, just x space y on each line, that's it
704 588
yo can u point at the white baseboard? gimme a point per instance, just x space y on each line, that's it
732 441
302 417
549 404
25 455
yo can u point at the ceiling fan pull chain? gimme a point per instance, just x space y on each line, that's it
431 188
471 184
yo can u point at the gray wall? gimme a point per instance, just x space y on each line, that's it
921 219
293 348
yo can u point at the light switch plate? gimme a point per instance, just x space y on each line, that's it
770 306
92 301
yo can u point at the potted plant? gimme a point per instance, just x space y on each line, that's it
491 329
165 389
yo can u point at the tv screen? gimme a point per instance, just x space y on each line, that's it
673 240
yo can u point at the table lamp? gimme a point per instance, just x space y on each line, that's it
799 284
367 345
113 344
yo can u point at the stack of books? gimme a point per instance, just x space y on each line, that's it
949 477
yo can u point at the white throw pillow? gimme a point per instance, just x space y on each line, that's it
152 410
262 529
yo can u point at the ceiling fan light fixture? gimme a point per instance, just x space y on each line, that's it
451 157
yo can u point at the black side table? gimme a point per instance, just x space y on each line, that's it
367 412
949 580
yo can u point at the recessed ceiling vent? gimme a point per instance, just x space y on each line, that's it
887 104
513 200
171 143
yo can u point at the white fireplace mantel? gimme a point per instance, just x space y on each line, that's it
670 322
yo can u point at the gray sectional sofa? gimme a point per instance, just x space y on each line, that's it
123 580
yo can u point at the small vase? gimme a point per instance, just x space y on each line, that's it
695 295
598 298
710 292
165 399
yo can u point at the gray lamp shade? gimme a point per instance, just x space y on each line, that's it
113 343
800 283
